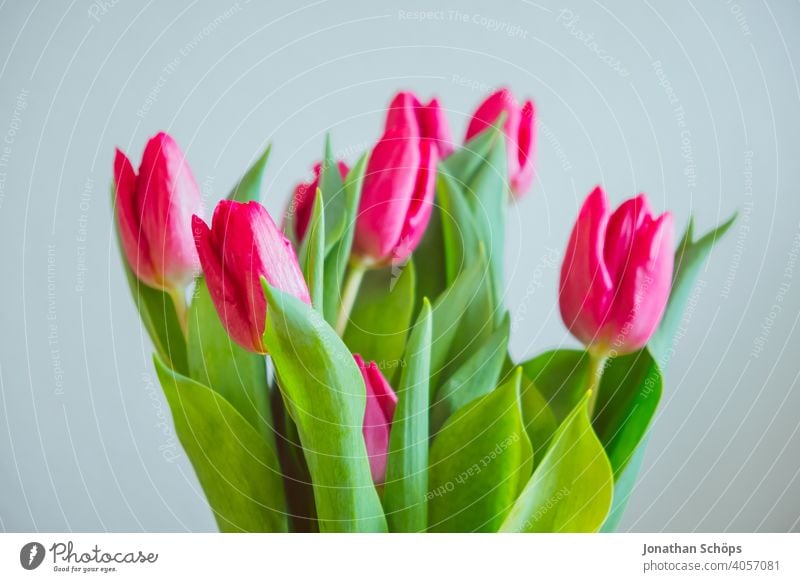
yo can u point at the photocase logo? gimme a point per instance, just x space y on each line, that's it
31 555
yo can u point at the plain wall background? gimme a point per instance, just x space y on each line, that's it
695 103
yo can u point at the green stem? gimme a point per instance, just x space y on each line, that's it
597 363
349 294
181 309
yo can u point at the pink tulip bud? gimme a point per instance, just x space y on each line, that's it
616 275
378 415
243 245
519 130
303 200
154 211
397 195
430 119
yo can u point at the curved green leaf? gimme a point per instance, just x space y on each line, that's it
476 377
560 377
325 395
380 320
405 492
572 487
249 187
479 462
540 422
312 253
239 473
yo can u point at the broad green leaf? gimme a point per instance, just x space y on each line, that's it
249 187
157 310
381 317
462 239
689 259
540 422
448 309
339 254
217 362
335 197
630 389
624 486
325 395
572 487
405 492
429 260
239 473
479 462
476 377
560 377
312 253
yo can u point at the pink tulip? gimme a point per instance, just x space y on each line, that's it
519 131
616 275
154 211
430 119
303 200
243 245
381 403
397 194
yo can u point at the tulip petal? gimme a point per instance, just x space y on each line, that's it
585 287
421 207
379 411
525 150
621 232
433 125
134 243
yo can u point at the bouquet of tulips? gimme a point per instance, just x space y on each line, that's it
349 370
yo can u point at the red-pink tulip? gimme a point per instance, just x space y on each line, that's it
378 415
154 211
430 119
243 245
616 275
519 130
303 200
397 195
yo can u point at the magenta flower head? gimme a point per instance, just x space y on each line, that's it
243 245
519 130
154 213
397 194
616 275
303 200
378 415
430 119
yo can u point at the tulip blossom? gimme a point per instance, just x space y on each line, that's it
519 129
616 275
154 209
243 245
378 415
430 119
303 200
397 194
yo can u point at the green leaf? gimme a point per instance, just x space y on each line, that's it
465 162
572 487
405 492
312 253
540 422
339 254
462 240
560 378
448 310
479 463
249 187
429 260
334 196
689 259
630 390
217 362
325 395
157 311
239 473
381 317
487 192
476 377
624 486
